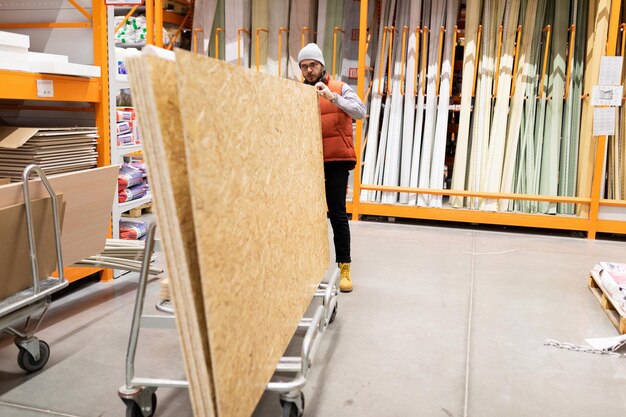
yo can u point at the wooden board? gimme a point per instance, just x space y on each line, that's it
596 47
262 261
15 258
88 196
157 105
470 60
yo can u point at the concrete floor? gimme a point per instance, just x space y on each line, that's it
443 321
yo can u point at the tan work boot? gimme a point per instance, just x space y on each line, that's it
345 281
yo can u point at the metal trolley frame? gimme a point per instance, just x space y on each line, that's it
139 394
24 305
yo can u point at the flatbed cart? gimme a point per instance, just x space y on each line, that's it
24 305
139 394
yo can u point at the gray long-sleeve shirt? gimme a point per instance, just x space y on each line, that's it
350 103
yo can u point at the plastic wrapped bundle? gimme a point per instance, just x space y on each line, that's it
133 193
132 229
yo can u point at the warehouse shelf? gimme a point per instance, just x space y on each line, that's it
19 85
588 221
129 205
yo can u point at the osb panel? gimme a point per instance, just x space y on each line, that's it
254 155
159 118
89 197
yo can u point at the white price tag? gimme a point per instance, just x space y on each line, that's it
604 121
610 70
45 88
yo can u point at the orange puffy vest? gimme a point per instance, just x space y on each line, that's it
336 128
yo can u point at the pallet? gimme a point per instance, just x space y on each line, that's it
615 313
138 211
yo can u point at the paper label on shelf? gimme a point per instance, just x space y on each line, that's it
45 88
607 95
610 70
603 121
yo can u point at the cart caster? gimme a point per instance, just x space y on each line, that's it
133 409
293 408
333 315
27 361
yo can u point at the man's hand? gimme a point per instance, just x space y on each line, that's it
324 91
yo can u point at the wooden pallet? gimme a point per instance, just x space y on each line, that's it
615 313
138 211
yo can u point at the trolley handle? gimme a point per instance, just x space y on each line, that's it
29 223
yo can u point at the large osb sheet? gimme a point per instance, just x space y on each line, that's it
254 157
161 126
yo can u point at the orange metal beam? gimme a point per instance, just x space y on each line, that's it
477 60
474 216
335 30
498 56
416 56
405 30
570 58
158 23
217 41
463 193
280 47
442 31
360 89
598 175
548 30
18 85
80 8
516 61
258 38
195 39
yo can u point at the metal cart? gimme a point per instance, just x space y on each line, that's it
139 394
24 305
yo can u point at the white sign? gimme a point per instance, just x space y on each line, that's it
610 70
607 95
45 88
604 121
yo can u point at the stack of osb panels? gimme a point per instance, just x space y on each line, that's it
240 204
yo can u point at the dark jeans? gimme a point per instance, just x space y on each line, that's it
336 174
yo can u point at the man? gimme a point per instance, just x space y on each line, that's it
339 104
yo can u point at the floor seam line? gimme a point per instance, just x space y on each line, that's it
41 410
469 326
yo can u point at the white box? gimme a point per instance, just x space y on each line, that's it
14 39
61 68
39 57
13 58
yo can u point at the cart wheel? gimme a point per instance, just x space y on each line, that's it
26 361
134 410
333 315
290 409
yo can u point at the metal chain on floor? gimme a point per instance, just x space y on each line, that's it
587 349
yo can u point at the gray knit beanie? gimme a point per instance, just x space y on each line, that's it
311 51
